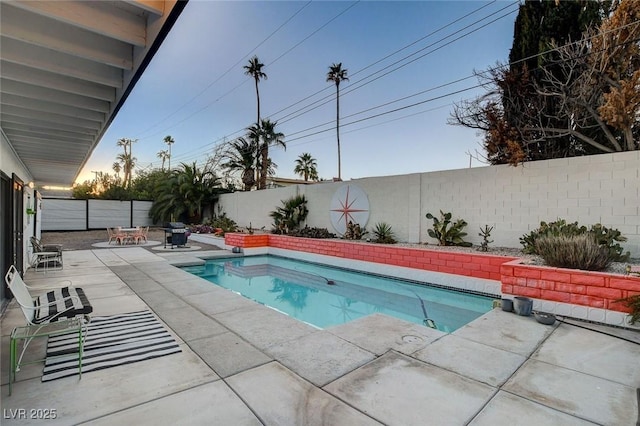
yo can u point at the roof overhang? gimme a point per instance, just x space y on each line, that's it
66 68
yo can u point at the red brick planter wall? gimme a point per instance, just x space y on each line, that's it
471 265
586 288
593 289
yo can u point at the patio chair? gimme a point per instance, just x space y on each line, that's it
47 256
140 234
55 312
116 235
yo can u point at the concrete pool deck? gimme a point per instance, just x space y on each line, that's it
244 364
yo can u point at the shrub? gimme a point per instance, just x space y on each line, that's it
384 234
354 231
632 302
604 236
580 251
290 215
307 232
224 223
485 233
448 236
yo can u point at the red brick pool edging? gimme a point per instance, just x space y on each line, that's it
592 289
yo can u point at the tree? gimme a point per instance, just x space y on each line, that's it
337 74
164 156
254 69
241 157
306 167
169 141
521 115
185 194
270 137
127 160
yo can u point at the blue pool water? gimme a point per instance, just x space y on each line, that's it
325 296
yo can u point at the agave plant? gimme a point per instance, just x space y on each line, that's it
384 234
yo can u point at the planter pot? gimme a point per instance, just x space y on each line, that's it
522 306
507 305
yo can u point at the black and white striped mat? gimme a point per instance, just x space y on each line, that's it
111 341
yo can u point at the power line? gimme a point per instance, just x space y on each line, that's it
403 48
224 73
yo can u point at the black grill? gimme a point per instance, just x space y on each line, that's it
175 234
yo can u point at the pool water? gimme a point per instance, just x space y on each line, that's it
325 296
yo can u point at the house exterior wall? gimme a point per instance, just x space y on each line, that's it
514 200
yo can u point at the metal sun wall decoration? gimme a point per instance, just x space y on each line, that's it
349 203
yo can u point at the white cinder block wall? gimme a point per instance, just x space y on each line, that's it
595 189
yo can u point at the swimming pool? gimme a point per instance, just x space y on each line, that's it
324 296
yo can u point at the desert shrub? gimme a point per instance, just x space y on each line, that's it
354 231
632 302
201 229
384 234
224 223
288 217
580 251
308 232
485 233
446 232
604 236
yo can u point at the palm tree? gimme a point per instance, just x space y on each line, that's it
337 74
117 167
169 141
163 155
254 69
306 167
269 138
241 157
127 160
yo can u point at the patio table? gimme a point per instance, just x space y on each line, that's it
129 232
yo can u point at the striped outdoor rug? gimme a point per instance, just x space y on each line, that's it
111 341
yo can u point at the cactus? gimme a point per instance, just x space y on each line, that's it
445 234
485 233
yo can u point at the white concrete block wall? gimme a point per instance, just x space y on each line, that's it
600 188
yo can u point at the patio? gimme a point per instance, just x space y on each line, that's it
243 363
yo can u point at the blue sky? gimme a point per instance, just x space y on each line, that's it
195 89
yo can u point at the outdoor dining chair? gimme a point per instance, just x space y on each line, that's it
141 234
116 235
47 256
57 311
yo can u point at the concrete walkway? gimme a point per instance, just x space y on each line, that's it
245 364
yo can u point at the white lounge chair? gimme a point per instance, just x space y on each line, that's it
57 311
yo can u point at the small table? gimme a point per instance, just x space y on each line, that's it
30 332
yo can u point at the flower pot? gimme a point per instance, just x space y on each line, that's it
522 306
507 305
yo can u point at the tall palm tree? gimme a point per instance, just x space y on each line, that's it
337 74
306 167
241 157
169 141
254 69
270 137
163 155
117 167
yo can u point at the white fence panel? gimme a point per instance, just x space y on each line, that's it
140 213
64 214
109 213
